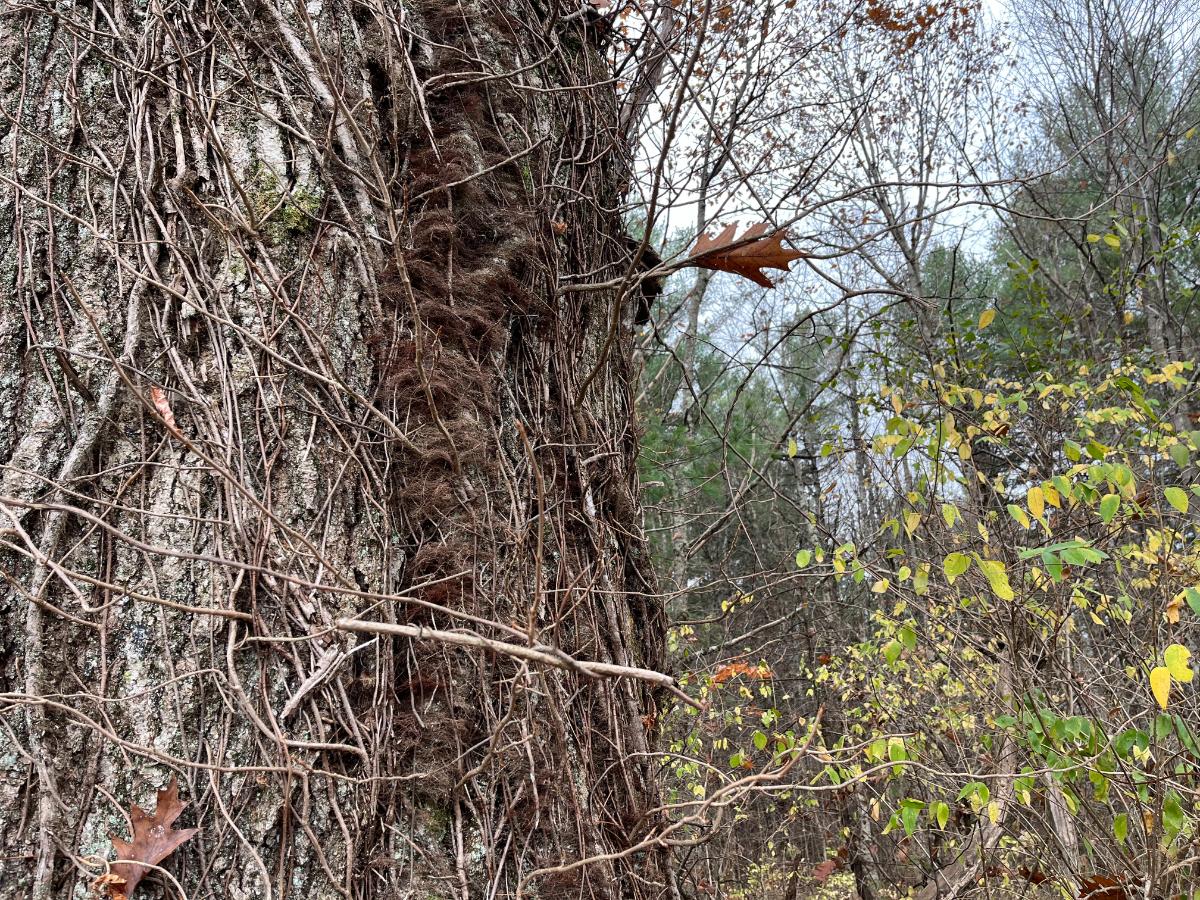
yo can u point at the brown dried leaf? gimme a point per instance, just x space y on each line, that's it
823 870
1174 608
732 670
748 255
159 398
153 840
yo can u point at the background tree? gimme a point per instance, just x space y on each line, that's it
885 449
307 394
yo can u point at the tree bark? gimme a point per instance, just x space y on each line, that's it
284 344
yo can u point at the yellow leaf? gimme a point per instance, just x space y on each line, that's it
793 448
997 578
1019 514
949 514
1171 613
880 586
986 318
911 521
897 404
1113 241
1176 657
1037 502
1160 684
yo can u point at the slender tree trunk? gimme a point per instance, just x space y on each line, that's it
283 344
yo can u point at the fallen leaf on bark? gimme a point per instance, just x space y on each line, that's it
153 841
748 255
159 398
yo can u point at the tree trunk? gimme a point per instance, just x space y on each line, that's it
284 344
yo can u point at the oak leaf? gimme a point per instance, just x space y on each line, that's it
153 841
748 255
732 670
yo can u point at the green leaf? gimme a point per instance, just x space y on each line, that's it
1109 506
760 740
1193 599
1053 565
1081 554
1069 797
1180 455
1164 726
1121 827
1177 497
892 651
1185 736
976 792
954 565
1057 548
1066 490
1113 241
803 558
909 810
921 581
1173 816
941 813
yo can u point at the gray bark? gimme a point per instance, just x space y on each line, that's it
282 343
